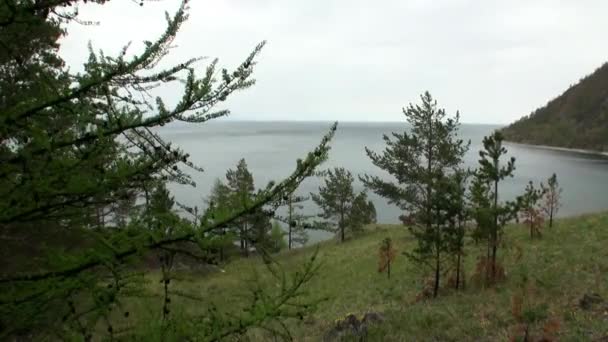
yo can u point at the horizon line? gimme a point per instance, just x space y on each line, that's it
229 118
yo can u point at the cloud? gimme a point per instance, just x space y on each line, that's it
363 60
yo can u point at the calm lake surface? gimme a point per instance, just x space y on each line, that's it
271 150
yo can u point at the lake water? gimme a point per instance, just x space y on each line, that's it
271 150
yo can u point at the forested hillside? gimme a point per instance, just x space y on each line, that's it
576 119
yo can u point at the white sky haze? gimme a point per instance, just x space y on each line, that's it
495 61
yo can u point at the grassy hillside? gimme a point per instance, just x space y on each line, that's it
578 118
570 261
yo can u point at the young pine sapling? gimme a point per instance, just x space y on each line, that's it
552 199
494 217
386 255
530 213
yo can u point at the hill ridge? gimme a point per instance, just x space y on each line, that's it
576 119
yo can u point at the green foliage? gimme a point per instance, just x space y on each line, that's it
74 122
528 207
277 238
551 201
578 118
159 213
458 214
363 212
258 234
421 160
80 152
240 182
241 187
480 207
492 215
531 196
341 205
222 239
528 312
297 222
386 255
254 229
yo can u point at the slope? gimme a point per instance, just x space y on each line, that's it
578 118
569 262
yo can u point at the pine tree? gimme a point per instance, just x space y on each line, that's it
552 198
339 203
259 234
387 255
458 215
240 183
161 202
123 208
277 238
297 222
220 202
162 219
528 206
479 207
254 228
420 160
363 212
493 217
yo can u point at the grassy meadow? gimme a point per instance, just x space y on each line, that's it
571 260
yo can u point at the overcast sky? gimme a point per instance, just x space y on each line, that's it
364 60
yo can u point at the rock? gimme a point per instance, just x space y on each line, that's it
590 300
373 317
351 327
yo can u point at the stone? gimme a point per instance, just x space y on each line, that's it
351 327
590 300
373 317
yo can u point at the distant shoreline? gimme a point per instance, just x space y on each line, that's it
565 149
320 121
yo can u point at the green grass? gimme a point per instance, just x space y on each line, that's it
570 260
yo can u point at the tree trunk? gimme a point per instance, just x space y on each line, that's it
342 226
551 216
458 271
246 240
460 249
531 230
289 222
437 274
494 248
221 248
146 194
388 268
495 231
222 245
488 261
429 207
